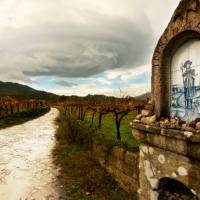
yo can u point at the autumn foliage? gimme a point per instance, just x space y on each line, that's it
9 106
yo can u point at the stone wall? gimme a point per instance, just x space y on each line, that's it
156 164
120 163
167 154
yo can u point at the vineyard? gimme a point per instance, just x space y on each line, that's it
93 111
9 106
90 129
13 111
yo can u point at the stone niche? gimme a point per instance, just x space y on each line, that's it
175 63
169 159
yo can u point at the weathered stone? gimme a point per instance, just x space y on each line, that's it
184 126
149 106
159 150
157 123
166 124
198 125
189 129
149 120
173 121
162 124
138 117
121 164
146 113
128 183
118 152
136 134
191 124
197 120
150 101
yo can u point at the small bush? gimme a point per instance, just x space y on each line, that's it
76 131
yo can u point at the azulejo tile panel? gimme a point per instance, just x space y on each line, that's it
185 82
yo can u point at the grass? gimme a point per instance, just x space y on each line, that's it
108 129
82 177
20 118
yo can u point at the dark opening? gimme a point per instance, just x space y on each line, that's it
171 189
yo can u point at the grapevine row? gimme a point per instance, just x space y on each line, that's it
119 107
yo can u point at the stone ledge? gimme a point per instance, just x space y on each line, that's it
174 133
177 141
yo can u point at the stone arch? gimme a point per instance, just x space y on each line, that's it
161 71
173 189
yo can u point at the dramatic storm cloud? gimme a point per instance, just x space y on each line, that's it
86 50
72 46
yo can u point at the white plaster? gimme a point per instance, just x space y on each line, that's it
149 172
161 158
151 150
153 195
182 171
141 154
154 183
147 126
193 192
145 149
174 175
188 134
139 191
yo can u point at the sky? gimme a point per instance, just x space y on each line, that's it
80 47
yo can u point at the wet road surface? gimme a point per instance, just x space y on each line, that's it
27 171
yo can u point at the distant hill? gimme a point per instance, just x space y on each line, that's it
20 91
143 96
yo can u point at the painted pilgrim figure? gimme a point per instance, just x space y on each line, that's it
188 75
185 82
